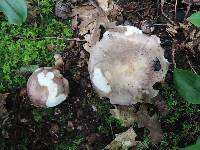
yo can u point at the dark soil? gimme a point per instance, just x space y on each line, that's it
77 118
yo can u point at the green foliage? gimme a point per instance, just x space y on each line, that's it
22 46
15 10
103 111
193 147
40 114
195 19
188 85
180 125
69 145
145 144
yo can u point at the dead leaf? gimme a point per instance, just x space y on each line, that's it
184 26
194 36
172 29
107 6
125 114
127 117
3 110
123 141
91 18
104 4
151 123
161 104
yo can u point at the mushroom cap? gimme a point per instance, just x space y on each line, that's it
46 87
124 66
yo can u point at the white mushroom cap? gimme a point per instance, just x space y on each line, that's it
122 66
47 87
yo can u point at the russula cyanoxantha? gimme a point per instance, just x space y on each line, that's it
46 87
125 64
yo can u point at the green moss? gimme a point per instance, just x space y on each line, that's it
29 44
180 127
145 144
39 114
69 145
103 111
181 124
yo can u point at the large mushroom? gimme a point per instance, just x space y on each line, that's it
125 64
46 87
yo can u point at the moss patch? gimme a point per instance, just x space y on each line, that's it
29 44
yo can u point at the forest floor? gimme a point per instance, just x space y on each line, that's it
83 121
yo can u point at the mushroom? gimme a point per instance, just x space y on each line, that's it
125 65
46 87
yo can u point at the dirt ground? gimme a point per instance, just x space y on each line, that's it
83 119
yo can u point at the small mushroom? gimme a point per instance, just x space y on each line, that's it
46 87
125 65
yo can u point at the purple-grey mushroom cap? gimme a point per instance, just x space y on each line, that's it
46 87
124 65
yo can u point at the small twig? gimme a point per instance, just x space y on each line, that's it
59 38
191 65
130 11
160 24
113 135
173 54
52 37
157 7
187 11
172 22
175 7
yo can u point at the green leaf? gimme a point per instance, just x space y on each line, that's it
195 19
193 147
188 85
15 10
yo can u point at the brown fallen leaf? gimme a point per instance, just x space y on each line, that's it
194 38
127 117
91 20
125 114
92 17
3 110
161 104
151 123
123 141
172 29
104 4
107 6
